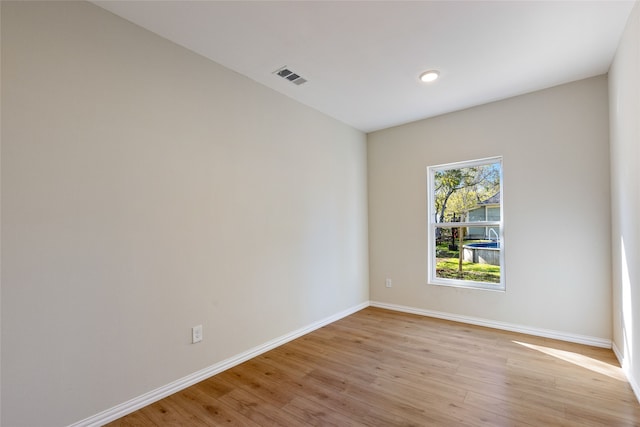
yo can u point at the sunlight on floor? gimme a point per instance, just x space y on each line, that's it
581 360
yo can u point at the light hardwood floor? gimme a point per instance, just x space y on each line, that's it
383 368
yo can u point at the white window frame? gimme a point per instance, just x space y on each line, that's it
433 225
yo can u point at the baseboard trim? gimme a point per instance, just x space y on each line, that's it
546 333
136 403
619 356
627 370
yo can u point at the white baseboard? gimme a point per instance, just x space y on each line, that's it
627 370
619 355
580 339
136 403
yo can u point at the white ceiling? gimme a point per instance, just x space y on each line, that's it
362 59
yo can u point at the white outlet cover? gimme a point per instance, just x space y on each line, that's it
196 334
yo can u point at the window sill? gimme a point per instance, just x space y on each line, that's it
467 284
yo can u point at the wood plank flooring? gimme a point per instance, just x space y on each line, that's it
383 368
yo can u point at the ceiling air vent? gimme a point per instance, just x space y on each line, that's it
286 73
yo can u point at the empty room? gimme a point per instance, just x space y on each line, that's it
336 213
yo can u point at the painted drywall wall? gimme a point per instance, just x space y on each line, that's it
624 89
146 190
554 145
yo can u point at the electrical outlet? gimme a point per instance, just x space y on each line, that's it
196 334
388 283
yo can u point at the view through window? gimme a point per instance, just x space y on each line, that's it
466 245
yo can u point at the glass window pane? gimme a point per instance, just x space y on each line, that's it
466 193
476 260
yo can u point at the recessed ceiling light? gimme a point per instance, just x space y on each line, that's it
429 76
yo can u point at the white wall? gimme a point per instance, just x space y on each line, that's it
556 202
624 89
146 190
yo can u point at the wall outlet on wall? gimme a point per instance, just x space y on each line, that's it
388 283
196 334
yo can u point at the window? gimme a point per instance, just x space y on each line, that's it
466 244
